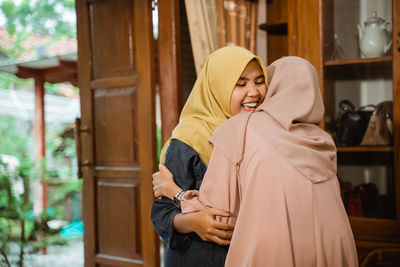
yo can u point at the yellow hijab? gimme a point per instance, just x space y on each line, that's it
208 104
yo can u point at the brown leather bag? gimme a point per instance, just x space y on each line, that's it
362 200
380 127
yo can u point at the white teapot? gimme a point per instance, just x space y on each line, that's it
373 38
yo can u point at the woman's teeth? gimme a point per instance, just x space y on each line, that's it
250 105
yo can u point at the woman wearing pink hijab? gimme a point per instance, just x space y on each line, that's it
274 170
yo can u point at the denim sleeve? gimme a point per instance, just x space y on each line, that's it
188 170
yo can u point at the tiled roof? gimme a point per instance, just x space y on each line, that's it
53 48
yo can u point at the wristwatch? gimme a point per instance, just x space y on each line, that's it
178 198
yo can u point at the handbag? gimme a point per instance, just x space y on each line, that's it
380 127
351 123
362 200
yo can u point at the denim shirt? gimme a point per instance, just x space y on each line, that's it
184 249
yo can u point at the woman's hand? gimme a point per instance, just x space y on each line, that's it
203 222
163 183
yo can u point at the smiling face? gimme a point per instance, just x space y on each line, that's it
250 89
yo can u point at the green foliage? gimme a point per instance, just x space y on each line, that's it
14 139
44 17
41 17
17 222
18 38
52 88
10 81
67 188
8 9
60 142
13 207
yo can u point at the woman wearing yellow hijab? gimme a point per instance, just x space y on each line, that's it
187 153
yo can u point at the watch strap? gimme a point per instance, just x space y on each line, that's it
178 198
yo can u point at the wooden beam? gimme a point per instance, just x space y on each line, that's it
64 72
70 64
26 72
60 74
57 71
71 78
396 101
39 131
87 150
170 65
146 133
39 123
221 23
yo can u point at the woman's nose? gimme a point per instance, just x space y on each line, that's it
253 91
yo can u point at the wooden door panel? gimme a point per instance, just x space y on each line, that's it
116 81
114 195
112 41
116 129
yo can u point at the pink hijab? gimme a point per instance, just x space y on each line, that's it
294 106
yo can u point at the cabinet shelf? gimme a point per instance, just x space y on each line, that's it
359 61
365 149
275 27
360 68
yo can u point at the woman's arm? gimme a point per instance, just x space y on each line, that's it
220 188
202 222
166 216
205 225
163 183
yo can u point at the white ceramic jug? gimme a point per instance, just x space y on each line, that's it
374 37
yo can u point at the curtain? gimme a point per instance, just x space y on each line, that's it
237 21
202 21
217 23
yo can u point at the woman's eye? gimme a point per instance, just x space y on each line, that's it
260 82
241 84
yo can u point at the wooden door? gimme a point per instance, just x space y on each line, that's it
116 81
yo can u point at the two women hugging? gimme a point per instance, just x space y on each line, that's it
249 178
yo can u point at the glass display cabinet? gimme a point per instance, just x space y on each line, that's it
355 47
361 52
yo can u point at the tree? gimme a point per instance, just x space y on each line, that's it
46 17
55 18
18 224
